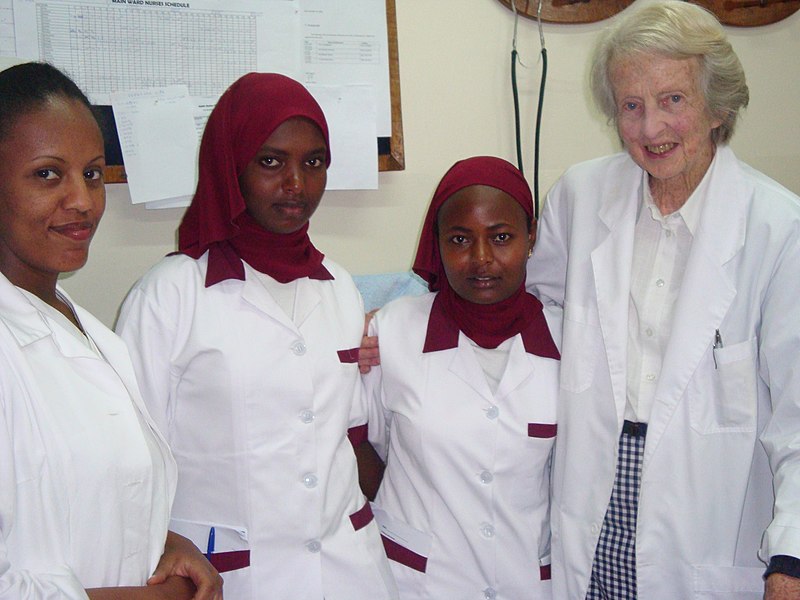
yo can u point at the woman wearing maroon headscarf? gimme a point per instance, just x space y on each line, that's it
464 402
244 345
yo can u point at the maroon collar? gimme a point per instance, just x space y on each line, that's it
442 333
224 263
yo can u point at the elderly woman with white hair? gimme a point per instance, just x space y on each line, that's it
677 469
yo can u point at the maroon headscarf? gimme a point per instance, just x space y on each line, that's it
488 325
217 219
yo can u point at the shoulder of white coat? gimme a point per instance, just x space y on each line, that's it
405 312
175 274
344 287
598 168
338 271
770 194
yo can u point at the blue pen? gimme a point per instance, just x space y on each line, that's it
210 547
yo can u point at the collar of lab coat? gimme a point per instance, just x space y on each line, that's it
443 333
307 299
706 290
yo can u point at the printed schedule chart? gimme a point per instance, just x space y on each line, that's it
106 49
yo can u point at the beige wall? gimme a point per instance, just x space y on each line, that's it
454 71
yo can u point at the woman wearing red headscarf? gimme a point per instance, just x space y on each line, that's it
244 345
464 401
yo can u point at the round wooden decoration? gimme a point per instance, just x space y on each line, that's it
569 11
750 13
739 13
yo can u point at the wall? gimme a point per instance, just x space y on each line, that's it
456 99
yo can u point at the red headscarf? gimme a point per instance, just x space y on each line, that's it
217 219
488 325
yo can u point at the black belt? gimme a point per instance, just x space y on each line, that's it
634 429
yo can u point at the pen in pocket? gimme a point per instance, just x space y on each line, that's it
210 545
717 346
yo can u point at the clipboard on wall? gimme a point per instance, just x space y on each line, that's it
391 152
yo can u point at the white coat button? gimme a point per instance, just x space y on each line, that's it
487 530
486 477
648 332
650 377
299 348
313 546
489 593
492 412
595 528
668 233
659 283
310 480
306 416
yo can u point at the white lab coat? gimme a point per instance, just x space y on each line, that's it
467 480
256 410
706 490
83 502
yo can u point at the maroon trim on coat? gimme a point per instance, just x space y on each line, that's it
358 434
362 517
542 430
348 356
230 561
404 556
544 572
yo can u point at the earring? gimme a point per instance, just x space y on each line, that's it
530 252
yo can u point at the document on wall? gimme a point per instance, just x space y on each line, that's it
159 142
111 45
354 164
128 46
8 46
346 43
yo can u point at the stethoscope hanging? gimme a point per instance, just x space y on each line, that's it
540 104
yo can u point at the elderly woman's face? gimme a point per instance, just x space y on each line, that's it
662 117
51 191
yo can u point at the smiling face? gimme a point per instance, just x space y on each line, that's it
663 121
283 183
484 240
51 192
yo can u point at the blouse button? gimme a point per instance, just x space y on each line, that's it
299 348
310 480
487 530
306 416
313 546
492 412
489 593
486 477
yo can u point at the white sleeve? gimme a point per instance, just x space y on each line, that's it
58 582
547 267
379 417
779 369
150 335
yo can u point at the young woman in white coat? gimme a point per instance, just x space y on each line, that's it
86 480
245 343
464 402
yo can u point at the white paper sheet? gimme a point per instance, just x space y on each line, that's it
159 141
350 112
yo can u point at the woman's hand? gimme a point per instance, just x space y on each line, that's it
181 557
368 354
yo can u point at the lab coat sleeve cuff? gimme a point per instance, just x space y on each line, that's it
787 565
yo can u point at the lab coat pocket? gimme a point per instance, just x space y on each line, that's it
728 583
581 338
723 392
403 543
226 547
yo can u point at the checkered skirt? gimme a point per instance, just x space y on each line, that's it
614 568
